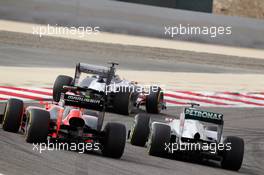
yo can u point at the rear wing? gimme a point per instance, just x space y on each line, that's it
204 116
102 71
92 69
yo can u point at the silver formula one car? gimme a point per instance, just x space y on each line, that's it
124 95
196 135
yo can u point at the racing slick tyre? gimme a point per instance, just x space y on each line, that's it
13 115
140 131
232 159
115 140
37 126
160 136
123 103
61 80
154 100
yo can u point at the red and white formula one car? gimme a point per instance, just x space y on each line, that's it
76 118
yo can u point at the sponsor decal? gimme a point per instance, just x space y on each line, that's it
83 99
203 115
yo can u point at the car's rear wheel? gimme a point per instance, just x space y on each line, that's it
115 140
61 80
233 158
140 131
160 136
13 115
37 126
154 100
123 103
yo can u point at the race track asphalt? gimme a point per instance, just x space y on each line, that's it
18 157
24 50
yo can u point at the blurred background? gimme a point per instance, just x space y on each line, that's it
148 17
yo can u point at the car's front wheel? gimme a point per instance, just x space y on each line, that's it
13 115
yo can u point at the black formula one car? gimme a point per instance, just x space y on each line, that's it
124 96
